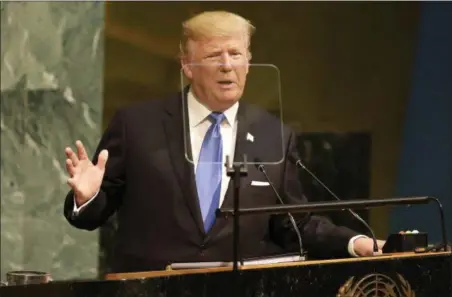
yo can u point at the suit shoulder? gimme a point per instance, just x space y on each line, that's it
269 119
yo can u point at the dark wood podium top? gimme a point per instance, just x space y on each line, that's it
169 272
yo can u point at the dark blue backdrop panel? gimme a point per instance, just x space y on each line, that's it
426 158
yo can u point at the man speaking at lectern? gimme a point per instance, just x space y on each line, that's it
139 169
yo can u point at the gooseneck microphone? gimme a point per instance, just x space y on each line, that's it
293 157
261 168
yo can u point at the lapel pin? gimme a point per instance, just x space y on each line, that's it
249 137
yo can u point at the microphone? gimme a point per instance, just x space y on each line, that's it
293 157
261 168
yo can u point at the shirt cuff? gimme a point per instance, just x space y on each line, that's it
76 209
351 246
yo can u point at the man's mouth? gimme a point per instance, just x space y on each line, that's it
225 82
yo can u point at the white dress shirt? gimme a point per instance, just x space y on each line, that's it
199 124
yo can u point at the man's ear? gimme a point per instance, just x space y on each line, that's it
186 68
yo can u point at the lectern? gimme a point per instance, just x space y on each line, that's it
394 275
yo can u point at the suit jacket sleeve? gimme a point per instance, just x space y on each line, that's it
108 199
321 238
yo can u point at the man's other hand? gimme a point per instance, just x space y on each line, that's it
364 246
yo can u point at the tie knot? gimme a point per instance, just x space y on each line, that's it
217 117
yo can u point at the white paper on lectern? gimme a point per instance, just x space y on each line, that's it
261 261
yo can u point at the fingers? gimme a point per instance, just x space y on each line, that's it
75 158
71 183
82 155
70 167
71 156
102 159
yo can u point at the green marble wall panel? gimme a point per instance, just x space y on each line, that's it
51 94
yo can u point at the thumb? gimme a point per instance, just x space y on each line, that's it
102 159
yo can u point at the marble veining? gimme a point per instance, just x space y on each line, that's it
51 95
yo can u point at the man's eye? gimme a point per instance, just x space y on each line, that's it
211 57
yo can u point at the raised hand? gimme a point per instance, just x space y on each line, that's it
85 177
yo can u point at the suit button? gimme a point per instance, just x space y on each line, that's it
203 247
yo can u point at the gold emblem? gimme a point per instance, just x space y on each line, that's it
376 285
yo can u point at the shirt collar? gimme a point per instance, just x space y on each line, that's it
197 112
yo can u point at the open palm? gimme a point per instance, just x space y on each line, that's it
85 177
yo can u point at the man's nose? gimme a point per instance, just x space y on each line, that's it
225 63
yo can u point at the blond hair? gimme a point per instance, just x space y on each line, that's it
214 23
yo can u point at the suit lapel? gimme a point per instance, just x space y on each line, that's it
246 120
179 147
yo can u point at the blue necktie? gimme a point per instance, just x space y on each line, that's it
209 171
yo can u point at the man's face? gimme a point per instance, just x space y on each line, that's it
217 68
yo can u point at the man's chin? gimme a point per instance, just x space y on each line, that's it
229 96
